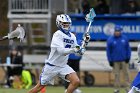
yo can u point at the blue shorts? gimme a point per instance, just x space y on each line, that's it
136 81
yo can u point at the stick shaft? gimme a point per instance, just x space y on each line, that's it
88 27
83 42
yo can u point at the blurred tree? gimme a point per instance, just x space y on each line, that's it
3 17
3 26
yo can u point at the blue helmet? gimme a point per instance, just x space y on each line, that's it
118 28
63 22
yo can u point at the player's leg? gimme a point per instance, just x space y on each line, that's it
75 67
68 74
74 82
37 88
70 63
46 77
74 64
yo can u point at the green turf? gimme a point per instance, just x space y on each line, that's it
56 89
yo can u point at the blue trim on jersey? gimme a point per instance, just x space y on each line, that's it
67 33
50 64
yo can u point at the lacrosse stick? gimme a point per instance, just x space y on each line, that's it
19 33
89 18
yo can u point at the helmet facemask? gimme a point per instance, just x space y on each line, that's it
65 26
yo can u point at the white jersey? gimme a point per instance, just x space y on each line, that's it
61 46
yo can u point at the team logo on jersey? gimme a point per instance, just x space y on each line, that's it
68 41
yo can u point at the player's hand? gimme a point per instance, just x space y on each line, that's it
87 37
81 51
76 49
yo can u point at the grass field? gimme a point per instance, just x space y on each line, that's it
55 89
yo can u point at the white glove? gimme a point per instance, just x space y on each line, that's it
87 37
81 51
78 50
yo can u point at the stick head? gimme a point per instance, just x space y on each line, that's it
19 33
90 16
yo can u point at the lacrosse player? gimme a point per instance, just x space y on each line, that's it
135 86
63 43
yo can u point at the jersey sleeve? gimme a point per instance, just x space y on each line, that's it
57 40
65 51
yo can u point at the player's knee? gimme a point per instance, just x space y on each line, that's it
76 82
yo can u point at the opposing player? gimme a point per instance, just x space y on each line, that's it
135 86
63 43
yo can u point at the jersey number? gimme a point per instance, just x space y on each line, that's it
68 46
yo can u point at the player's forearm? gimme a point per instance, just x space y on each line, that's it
65 51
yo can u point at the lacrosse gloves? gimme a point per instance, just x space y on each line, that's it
79 51
87 38
85 41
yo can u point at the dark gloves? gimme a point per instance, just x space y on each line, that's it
127 60
111 63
